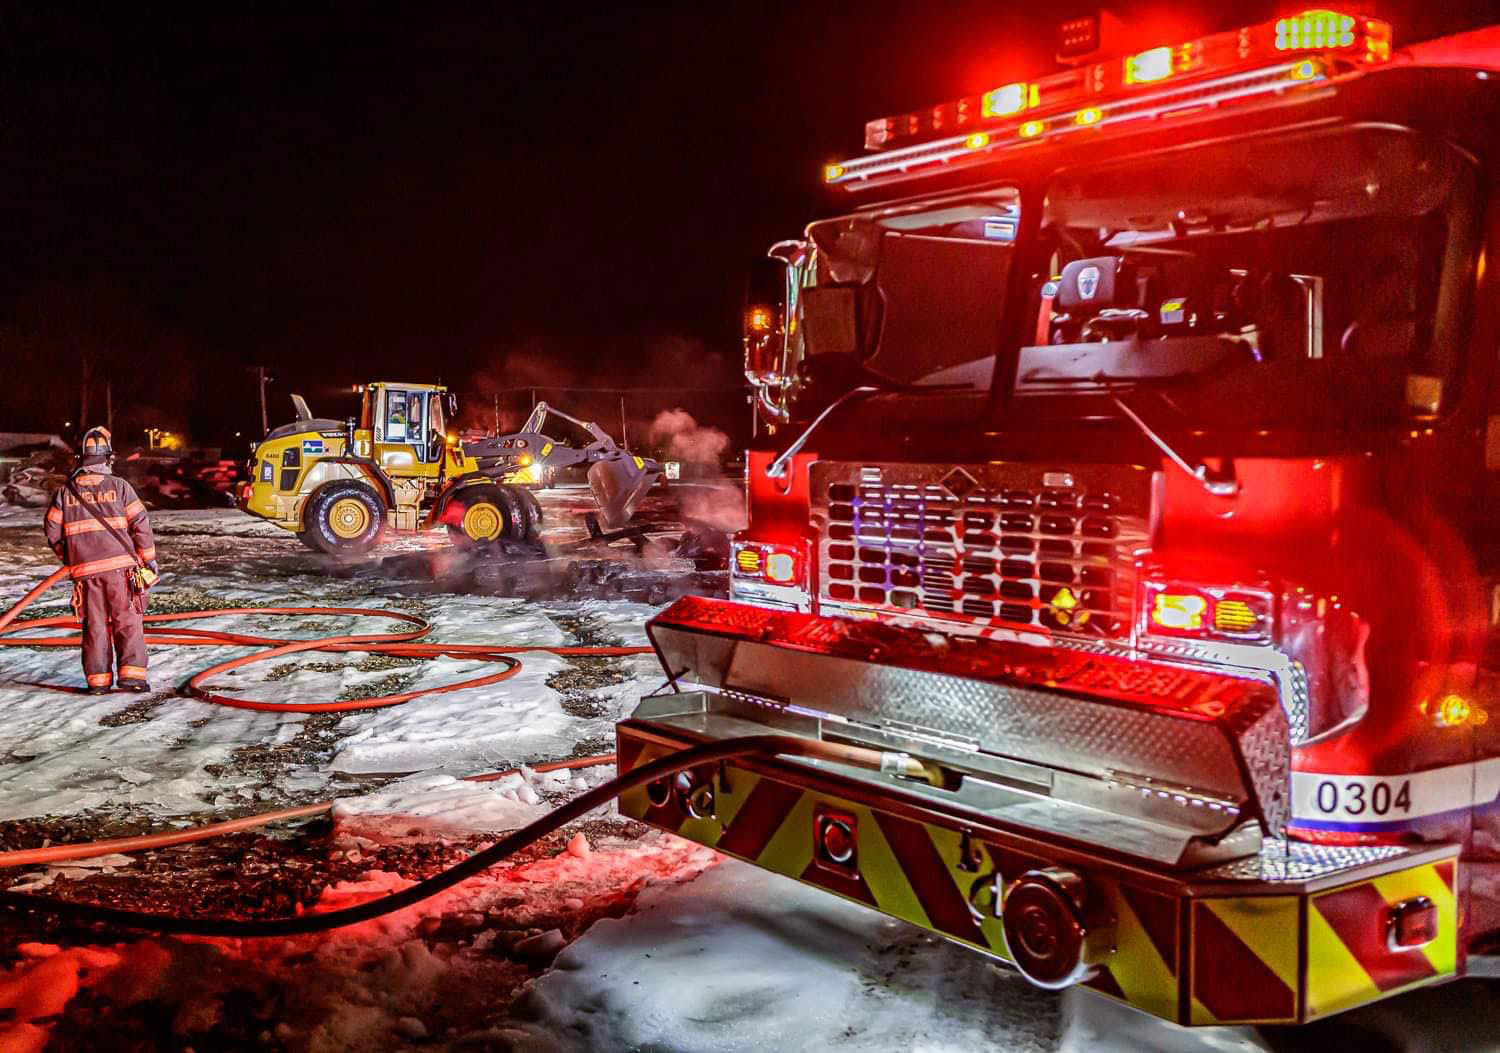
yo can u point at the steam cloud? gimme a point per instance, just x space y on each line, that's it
684 439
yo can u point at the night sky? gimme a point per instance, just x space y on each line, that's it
492 195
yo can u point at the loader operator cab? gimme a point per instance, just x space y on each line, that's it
408 426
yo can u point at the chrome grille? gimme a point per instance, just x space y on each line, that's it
983 544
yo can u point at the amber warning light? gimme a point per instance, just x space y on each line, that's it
1229 614
775 564
1129 86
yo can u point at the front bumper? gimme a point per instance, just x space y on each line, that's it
1121 829
1290 934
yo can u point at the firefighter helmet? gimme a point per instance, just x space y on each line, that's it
95 446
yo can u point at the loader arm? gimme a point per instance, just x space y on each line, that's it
618 479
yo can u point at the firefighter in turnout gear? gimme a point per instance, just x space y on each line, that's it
98 527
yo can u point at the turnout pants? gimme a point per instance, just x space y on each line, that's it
112 614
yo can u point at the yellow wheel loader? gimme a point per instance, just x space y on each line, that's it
340 485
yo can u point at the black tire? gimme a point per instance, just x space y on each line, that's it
345 519
533 508
522 502
484 513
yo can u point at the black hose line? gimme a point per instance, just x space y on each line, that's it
509 845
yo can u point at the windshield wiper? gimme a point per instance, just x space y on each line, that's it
1212 482
777 468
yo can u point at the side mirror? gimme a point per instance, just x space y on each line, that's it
765 322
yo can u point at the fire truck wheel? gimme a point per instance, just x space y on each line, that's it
343 518
486 513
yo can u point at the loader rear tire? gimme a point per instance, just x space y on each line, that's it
480 514
343 519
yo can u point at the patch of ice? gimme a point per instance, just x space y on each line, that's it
740 959
433 802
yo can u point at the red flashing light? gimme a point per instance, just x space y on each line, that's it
1411 923
1149 66
1157 64
1089 94
1009 99
1321 30
1083 39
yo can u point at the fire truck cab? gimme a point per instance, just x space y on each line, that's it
1131 458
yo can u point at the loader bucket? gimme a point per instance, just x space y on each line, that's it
618 484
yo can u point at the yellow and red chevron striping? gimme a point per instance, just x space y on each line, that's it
1350 962
758 819
947 908
1270 955
1244 959
1348 913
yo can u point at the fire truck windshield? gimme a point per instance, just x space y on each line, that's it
1293 282
916 294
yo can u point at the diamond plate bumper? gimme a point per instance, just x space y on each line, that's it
1094 745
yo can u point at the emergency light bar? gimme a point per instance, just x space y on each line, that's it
1266 58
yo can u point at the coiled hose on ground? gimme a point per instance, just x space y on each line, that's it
404 644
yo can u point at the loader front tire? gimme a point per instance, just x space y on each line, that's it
480 514
343 519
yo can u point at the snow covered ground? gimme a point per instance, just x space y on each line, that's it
607 938
169 755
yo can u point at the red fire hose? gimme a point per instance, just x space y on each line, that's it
162 630
509 845
402 644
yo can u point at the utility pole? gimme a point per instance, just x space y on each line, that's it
497 413
262 380
109 406
83 397
624 438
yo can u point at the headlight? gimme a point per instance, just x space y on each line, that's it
1208 612
776 564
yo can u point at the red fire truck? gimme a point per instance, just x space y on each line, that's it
1132 462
